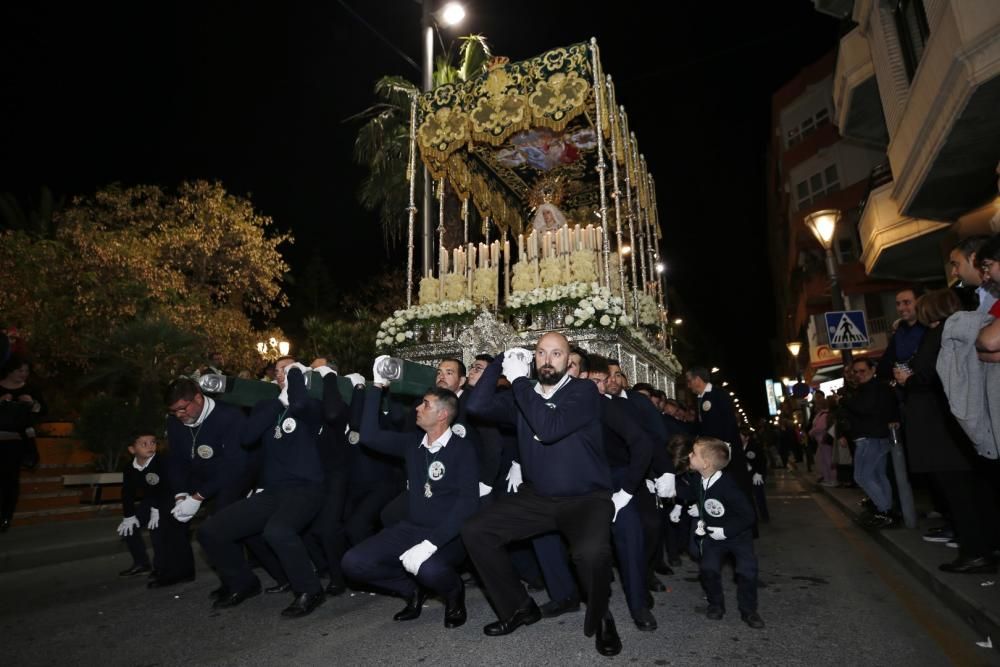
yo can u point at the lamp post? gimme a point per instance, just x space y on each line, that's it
451 14
823 225
794 348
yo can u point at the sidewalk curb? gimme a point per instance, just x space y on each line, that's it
981 621
56 543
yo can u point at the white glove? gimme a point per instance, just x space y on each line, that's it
700 528
484 490
675 514
666 485
651 486
185 510
415 556
179 497
283 396
516 363
302 367
693 510
514 477
355 378
620 498
716 533
324 371
758 479
127 525
154 519
376 378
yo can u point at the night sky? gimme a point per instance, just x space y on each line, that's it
255 95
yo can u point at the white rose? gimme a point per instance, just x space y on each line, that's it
605 320
409 334
568 320
579 312
623 319
590 310
400 337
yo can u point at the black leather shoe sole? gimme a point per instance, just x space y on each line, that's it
521 617
456 618
558 608
234 599
303 605
279 588
608 643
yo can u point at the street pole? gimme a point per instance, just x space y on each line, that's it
428 82
836 296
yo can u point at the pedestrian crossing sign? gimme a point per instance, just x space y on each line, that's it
847 329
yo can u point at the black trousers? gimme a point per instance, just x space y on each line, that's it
136 545
713 553
363 507
584 521
279 515
973 510
10 476
325 537
652 527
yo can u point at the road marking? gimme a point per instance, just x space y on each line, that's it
934 624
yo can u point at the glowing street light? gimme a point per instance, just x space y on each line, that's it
452 14
678 322
715 369
794 347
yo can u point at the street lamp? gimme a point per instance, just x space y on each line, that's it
715 369
449 15
794 347
823 225
678 322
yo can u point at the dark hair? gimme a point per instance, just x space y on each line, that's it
13 363
447 399
584 358
916 289
937 306
971 244
660 394
989 250
680 447
700 372
597 364
461 366
488 358
865 360
674 402
181 389
280 359
644 386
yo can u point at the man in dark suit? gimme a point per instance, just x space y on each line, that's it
717 419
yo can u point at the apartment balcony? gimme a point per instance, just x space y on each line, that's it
943 149
856 101
896 246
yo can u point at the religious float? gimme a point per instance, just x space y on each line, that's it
566 223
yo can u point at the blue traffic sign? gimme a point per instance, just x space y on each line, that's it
847 329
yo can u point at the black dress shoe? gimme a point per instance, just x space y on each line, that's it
454 608
715 613
656 585
554 608
980 565
219 593
644 620
663 568
414 604
134 570
162 582
334 589
528 613
753 619
279 588
303 604
233 599
608 642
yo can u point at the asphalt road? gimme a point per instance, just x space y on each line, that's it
829 596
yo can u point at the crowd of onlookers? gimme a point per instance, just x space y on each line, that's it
936 391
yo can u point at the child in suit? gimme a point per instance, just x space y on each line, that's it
144 477
725 527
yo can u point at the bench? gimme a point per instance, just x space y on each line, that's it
97 481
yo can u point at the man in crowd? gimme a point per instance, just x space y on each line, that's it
906 339
964 264
567 487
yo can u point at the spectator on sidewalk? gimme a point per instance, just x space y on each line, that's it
906 338
821 423
870 410
20 407
964 263
936 444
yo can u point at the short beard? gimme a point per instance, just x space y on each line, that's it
551 378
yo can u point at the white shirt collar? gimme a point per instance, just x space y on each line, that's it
461 390
206 410
548 394
140 468
435 446
708 388
707 483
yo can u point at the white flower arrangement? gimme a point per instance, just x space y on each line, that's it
454 287
582 267
398 328
649 312
551 269
484 286
524 276
429 290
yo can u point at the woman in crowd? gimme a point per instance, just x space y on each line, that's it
20 407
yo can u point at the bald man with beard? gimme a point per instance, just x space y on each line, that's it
567 486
